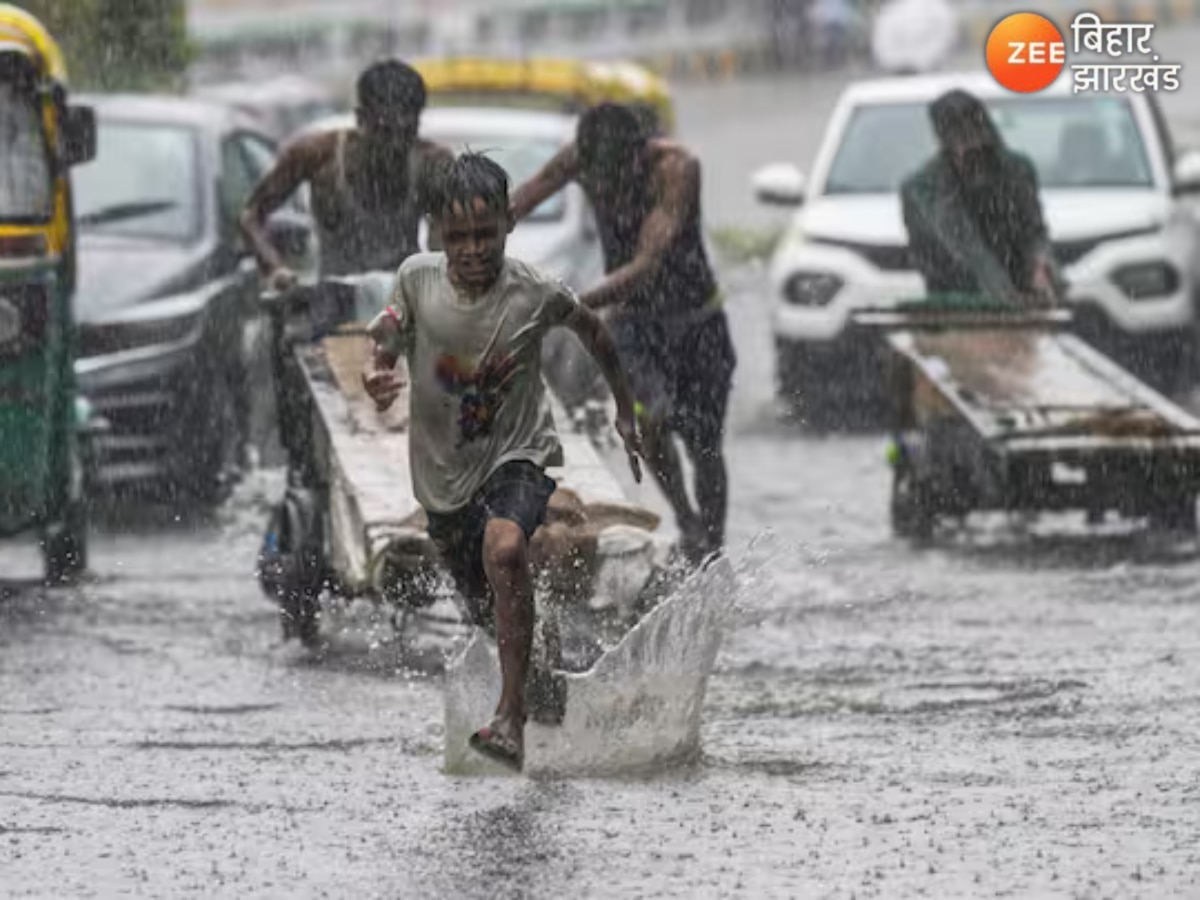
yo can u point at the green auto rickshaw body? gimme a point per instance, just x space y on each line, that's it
42 452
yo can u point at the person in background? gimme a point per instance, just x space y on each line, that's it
661 300
973 214
369 184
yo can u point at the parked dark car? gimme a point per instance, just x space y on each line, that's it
166 298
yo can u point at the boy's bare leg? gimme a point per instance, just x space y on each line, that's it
506 562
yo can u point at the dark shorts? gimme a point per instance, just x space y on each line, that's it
517 491
681 375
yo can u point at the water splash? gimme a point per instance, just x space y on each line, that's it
638 708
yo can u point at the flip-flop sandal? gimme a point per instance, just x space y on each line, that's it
489 742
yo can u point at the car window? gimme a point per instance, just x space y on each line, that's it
238 178
144 182
1091 142
1073 142
1165 138
26 190
881 146
261 157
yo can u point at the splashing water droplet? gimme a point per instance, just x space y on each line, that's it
638 708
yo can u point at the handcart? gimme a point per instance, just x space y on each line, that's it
349 525
1004 410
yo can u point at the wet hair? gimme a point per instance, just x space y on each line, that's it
468 177
957 115
391 83
609 132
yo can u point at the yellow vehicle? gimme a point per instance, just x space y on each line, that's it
627 82
568 85
41 138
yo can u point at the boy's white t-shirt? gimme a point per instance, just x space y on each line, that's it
477 399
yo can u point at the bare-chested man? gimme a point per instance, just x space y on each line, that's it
369 184
661 298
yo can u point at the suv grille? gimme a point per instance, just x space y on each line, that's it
891 258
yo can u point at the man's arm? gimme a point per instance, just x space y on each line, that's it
1043 277
552 178
296 165
920 238
679 189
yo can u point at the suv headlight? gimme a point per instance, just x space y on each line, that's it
811 288
1143 281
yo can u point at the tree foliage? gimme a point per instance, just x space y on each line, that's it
119 44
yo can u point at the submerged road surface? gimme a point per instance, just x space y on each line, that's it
1009 714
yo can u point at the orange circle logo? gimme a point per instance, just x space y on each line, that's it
1026 52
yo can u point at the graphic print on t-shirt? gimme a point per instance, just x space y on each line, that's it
480 390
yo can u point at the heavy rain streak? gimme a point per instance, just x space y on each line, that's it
683 448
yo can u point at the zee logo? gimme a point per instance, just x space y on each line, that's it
1037 53
1026 52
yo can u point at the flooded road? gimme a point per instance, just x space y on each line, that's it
1009 714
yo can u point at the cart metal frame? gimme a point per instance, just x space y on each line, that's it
1001 410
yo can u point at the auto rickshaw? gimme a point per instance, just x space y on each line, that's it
42 443
565 84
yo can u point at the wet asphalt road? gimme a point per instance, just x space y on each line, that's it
1006 715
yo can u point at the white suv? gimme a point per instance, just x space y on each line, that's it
1114 194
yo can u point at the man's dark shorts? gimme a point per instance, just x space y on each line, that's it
680 374
518 491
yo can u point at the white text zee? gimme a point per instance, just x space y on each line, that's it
1036 52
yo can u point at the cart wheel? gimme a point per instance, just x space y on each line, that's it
308 620
912 514
64 546
218 467
1175 514
292 566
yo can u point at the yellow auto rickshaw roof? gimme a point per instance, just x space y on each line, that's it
574 80
562 77
23 32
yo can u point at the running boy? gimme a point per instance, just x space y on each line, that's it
470 324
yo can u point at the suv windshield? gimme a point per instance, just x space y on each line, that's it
1073 142
26 191
144 182
520 157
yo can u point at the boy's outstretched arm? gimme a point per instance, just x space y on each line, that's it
381 381
595 338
